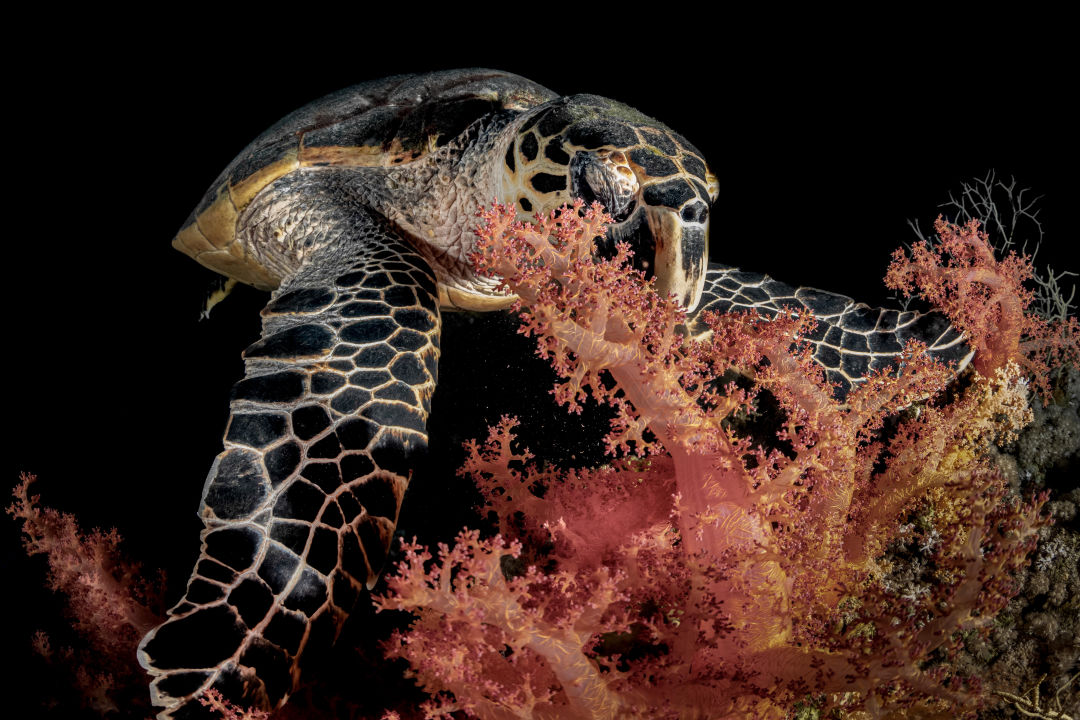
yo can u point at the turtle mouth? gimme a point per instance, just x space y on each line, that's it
666 247
681 251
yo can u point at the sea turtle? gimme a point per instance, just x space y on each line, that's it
357 212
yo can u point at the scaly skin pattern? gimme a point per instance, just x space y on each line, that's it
301 505
851 339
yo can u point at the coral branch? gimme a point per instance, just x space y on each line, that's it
719 570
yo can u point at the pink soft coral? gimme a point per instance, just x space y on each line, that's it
713 574
985 298
111 602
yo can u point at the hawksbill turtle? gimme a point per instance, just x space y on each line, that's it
357 212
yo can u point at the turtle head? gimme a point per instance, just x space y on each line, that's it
653 182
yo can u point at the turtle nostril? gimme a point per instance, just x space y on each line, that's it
695 212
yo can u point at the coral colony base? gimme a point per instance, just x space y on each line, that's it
730 561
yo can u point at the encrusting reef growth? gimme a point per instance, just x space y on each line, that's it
755 548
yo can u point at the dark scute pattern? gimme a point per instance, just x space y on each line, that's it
672 194
309 420
255 429
299 341
355 434
355 277
251 599
693 166
855 365
888 319
332 516
396 457
281 462
285 630
300 501
820 302
308 594
364 308
234 546
377 495
377 280
554 120
219 632
855 342
818 332
593 134
529 147
277 568
408 340
827 356
509 159
271 666
398 391
214 571
355 466
303 300
884 343
374 356
554 152
350 508
368 331
778 289
754 294
239 486
655 165
833 336
409 370
414 319
201 592
323 554
324 474
328 447
275 387
324 383
394 414
660 141
860 319
290 534
400 296
546 182
369 378
349 401
524 204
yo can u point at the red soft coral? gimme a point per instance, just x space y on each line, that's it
729 576
985 298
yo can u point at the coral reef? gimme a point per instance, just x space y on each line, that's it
707 573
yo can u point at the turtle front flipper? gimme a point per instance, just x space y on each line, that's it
300 507
851 340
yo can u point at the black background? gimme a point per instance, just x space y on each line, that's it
824 145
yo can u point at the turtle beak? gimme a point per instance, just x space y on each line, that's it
682 252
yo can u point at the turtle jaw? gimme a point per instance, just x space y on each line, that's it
682 253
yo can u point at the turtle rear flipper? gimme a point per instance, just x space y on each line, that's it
300 507
850 341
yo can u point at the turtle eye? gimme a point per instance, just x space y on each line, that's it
594 180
